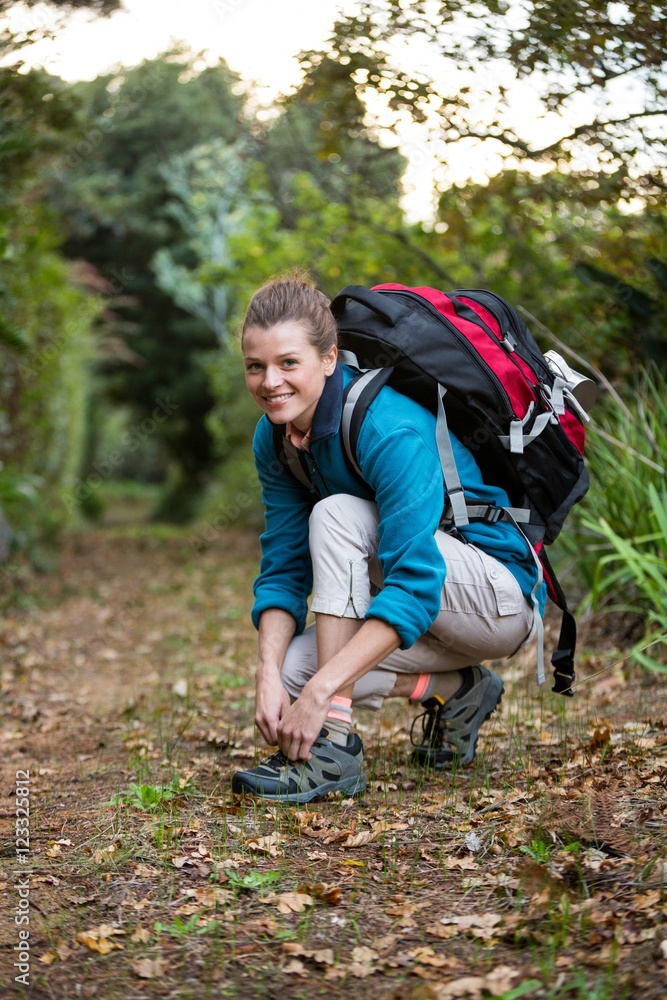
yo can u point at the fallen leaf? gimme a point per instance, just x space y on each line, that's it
149 968
146 871
99 939
600 739
295 968
289 902
103 854
320 890
140 935
467 864
267 845
180 860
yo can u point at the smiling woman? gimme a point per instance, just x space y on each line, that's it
287 360
370 549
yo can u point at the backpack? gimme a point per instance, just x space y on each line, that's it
469 358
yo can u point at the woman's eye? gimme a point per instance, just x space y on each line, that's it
289 362
254 367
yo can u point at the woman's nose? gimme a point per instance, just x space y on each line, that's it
272 377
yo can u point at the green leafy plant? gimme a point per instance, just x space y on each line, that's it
148 798
539 850
253 880
182 928
637 567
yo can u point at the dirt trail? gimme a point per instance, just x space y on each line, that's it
131 666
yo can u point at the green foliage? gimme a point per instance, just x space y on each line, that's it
252 880
635 572
620 535
182 928
47 319
112 194
149 798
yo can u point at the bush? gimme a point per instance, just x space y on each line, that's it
620 533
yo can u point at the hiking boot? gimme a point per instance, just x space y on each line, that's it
332 768
450 729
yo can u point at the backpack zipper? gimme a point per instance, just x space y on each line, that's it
488 372
536 360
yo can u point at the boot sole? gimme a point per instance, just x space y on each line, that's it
349 787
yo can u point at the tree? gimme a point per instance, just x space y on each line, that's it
112 195
597 70
46 318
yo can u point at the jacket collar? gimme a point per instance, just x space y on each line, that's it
326 419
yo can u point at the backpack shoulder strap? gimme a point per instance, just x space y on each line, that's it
357 397
290 457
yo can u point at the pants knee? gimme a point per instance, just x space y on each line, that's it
342 523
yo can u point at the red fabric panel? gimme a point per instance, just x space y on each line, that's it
492 322
574 429
519 391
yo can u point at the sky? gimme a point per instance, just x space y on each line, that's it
260 39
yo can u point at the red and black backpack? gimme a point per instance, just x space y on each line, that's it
470 358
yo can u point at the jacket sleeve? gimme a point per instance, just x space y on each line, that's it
286 575
401 464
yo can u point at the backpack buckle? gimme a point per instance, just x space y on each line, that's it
492 515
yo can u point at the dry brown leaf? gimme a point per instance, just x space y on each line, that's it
363 962
496 983
323 956
149 968
146 871
320 890
267 845
140 935
362 838
103 854
180 860
48 957
428 957
289 902
467 864
295 968
99 939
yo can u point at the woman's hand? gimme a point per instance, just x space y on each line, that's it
300 725
271 703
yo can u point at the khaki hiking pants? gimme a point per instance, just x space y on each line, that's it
483 613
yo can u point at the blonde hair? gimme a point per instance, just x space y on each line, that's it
293 297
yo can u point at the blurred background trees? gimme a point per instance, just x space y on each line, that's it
139 210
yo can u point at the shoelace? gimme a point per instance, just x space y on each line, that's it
431 732
276 761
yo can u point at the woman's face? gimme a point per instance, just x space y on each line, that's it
285 373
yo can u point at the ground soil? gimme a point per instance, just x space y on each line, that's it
127 703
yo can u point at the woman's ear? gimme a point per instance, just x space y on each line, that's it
330 359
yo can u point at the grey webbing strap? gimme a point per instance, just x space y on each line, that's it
491 514
348 409
295 467
516 441
537 617
349 358
453 486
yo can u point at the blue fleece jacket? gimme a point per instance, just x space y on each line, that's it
398 456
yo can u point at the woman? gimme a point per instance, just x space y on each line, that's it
401 608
